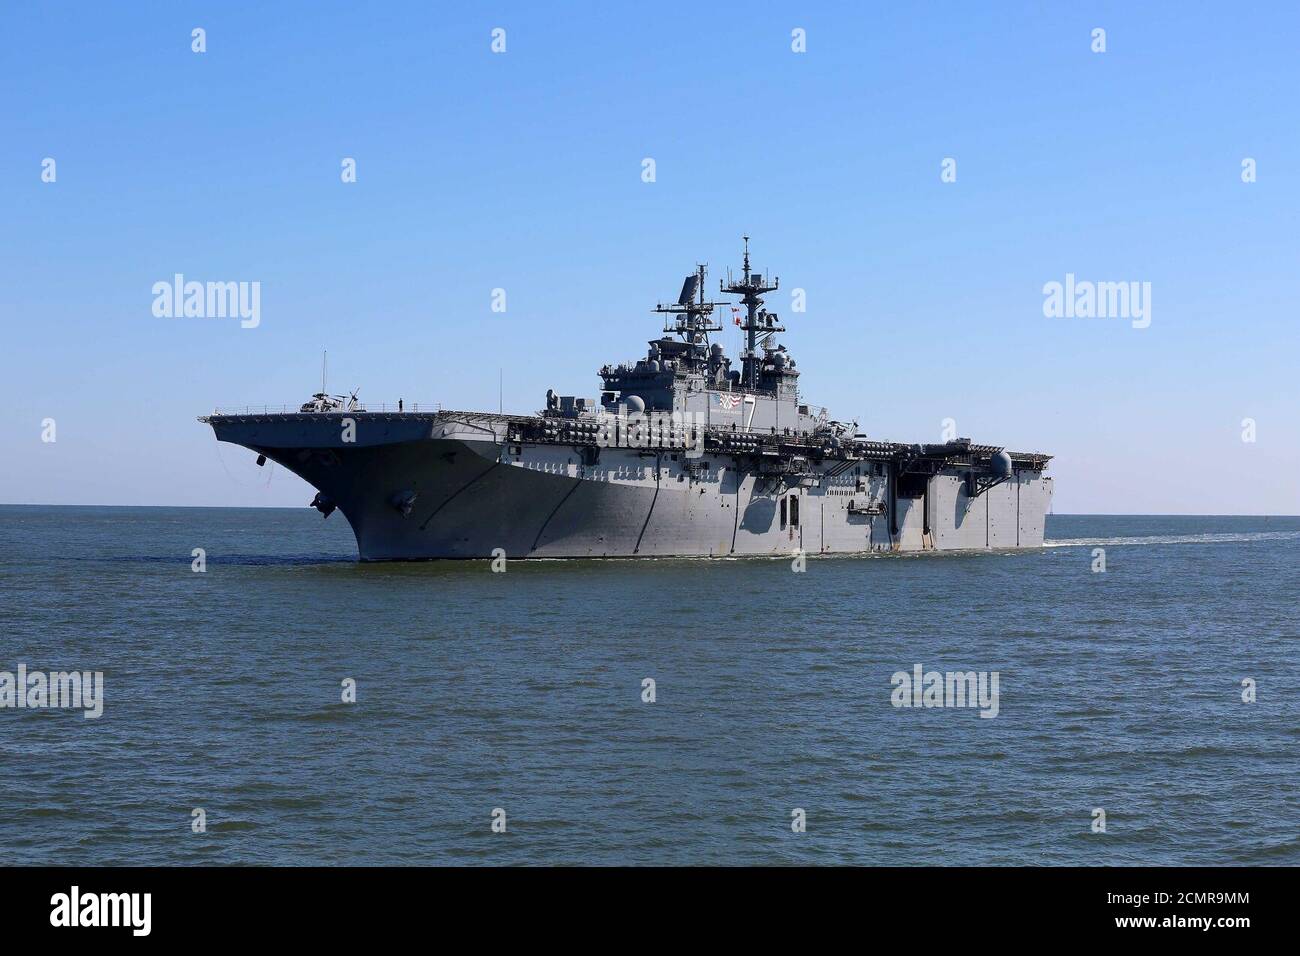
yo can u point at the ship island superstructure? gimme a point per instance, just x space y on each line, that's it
682 455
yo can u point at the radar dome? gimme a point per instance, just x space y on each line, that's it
635 404
1000 464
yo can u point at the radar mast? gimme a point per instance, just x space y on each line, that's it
692 315
759 324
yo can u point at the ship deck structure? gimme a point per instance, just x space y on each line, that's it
682 455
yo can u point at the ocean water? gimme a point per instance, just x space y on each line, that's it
522 691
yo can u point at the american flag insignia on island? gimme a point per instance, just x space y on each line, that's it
724 400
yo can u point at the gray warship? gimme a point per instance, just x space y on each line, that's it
682 456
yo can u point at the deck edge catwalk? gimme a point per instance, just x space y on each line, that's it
683 455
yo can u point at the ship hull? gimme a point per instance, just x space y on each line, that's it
411 492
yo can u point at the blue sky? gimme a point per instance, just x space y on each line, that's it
522 171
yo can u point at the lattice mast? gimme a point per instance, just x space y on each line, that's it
759 324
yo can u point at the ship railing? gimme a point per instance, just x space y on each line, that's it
392 408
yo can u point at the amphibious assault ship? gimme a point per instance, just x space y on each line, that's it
683 455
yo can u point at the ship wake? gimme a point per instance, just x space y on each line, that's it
1208 538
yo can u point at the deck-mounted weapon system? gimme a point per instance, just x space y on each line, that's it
682 455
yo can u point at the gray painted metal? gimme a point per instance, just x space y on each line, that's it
755 472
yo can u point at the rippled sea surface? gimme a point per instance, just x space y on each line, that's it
522 691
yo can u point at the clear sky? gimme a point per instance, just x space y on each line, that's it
522 170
